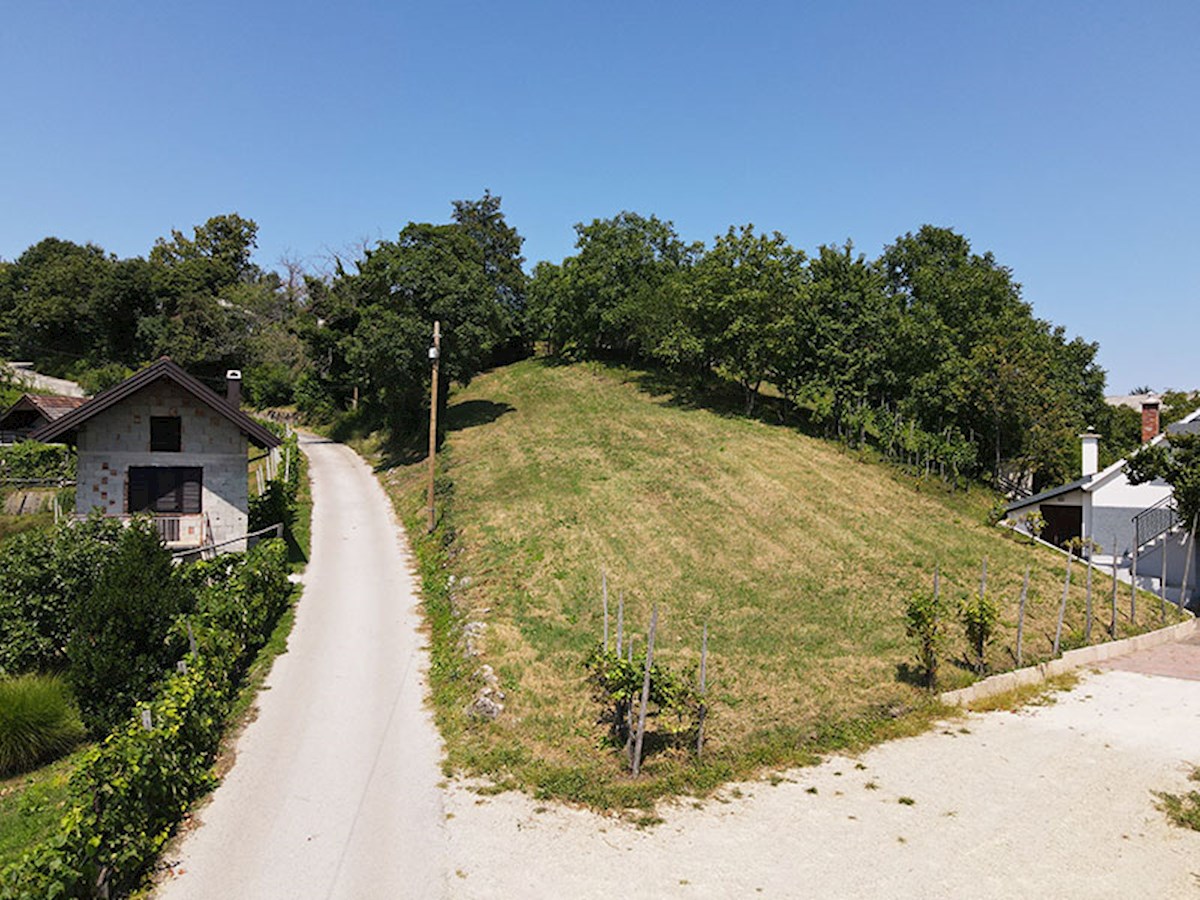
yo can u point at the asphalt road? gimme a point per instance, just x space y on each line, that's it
334 793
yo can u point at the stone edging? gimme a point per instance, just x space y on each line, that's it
1072 659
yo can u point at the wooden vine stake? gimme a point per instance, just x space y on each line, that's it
1087 621
604 593
703 711
641 725
1021 616
1113 629
1133 584
983 580
1062 607
1187 562
1162 585
621 622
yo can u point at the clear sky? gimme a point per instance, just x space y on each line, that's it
1061 136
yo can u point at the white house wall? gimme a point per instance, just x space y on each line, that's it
1113 506
117 438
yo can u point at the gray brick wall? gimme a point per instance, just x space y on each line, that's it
118 438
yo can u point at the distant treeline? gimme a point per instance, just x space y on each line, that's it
928 352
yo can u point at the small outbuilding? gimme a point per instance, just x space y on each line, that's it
31 412
162 443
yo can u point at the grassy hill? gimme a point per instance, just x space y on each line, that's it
797 553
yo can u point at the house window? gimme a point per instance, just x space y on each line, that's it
163 489
166 434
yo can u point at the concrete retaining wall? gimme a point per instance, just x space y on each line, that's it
1072 659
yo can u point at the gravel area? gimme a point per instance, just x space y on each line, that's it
1051 801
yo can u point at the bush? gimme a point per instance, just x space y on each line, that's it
38 722
979 615
129 792
924 620
118 649
101 378
617 686
42 572
29 459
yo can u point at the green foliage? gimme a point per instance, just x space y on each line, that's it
129 792
979 614
118 648
1177 462
617 685
1035 523
30 459
371 329
42 575
929 350
925 622
101 378
38 722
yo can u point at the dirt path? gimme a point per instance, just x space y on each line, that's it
1054 801
334 792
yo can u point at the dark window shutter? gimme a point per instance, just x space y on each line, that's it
193 479
166 434
140 488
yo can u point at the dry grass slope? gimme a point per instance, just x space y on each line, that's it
797 553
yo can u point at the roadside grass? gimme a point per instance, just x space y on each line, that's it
796 552
32 804
1182 810
1040 694
14 524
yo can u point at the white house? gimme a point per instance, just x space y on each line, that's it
162 443
1136 523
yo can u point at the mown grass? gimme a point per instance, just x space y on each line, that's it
796 552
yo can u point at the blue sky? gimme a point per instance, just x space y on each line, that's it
1061 136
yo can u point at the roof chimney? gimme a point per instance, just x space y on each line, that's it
1091 453
1150 410
233 387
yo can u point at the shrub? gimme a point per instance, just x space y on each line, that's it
101 378
924 620
38 722
129 792
29 459
979 615
118 649
42 572
617 686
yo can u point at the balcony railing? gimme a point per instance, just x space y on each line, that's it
177 531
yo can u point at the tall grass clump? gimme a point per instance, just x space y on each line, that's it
38 722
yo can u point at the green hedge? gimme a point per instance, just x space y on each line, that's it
29 459
43 572
130 791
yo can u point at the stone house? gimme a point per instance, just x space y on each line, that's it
161 443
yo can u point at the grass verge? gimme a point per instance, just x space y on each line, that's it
31 806
796 553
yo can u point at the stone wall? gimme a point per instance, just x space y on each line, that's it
112 441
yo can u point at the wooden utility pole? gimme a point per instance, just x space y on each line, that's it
435 353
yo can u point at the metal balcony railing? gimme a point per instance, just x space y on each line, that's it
1154 521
